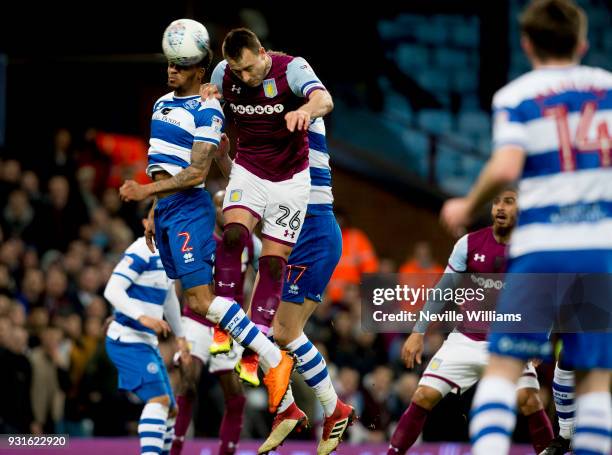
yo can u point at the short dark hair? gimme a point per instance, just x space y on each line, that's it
239 39
554 27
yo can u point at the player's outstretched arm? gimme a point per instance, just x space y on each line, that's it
194 174
319 104
502 169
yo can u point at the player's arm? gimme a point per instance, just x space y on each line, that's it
304 83
503 168
124 274
457 262
222 158
201 157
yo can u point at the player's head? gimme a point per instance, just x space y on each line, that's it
218 201
504 210
245 56
553 31
187 77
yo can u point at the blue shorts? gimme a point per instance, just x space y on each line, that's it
582 351
184 225
141 369
313 259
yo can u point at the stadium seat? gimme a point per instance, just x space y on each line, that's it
435 121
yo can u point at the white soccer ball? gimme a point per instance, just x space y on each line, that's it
185 42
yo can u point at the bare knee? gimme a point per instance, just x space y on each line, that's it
426 397
161 399
528 401
199 299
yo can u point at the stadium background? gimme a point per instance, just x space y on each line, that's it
412 85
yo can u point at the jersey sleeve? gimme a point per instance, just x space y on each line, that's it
302 78
133 263
216 77
508 124
209 122
457 262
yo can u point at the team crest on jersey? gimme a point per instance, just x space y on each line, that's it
216 123
269 86
435 363
191 104
235 195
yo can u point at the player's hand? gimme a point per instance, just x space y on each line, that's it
150 232
159 326
297 120
133 191
455 216
413 349
224 147
535 362
209 91
184 354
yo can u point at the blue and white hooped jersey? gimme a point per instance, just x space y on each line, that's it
176 124
562 118
321 198
148 290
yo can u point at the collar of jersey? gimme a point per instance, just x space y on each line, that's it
183 97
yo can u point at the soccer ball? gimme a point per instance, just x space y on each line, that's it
185 42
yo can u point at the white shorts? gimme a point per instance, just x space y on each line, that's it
281 206
459 364
200 337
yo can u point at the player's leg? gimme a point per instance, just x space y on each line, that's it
231 424
190 222
140 371
412 422
283 218
264 301
456 365
493 415
530 405
222 365
198 338
590 355
243 208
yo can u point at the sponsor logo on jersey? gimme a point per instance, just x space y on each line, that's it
235 195
236 88
257 110
166 110
216 123
479 257
269 87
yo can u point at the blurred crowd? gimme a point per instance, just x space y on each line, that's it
63 229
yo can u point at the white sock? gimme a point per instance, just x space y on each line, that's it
286 402
493 416
230 316
593 424
311 365
563 394
152 427
168 436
